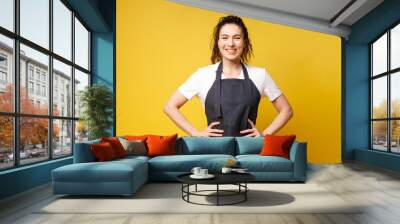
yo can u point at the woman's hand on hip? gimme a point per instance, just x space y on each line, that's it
210 131
252 132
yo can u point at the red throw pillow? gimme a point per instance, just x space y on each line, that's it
103 152
116 145
277 145
161 145
133 137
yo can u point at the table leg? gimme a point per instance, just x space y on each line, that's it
196 188
245 193
188 190
217 194
182 188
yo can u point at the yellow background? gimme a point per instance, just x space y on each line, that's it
160 44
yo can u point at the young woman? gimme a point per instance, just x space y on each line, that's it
229 89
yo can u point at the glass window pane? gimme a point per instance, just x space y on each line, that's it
379 55
6 142
379 97
33 140
395 94
6 74
62 89
395 47
7 14
395 132
34 17
34 78
81 81
379 135
81 131
81 45
62 29
62 138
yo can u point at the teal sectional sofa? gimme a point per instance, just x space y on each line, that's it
125 176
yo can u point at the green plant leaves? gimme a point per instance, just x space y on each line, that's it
97 104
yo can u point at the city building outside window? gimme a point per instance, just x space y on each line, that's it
37 75
30 87
43 90
3 60
3 78
38 89
30 72
34 75
3 71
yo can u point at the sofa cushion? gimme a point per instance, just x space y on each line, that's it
134 147
112 171
275 145
257 163
83 152
161 145
136 137
206 145
103 152
116 145
185 163
249 145
132 158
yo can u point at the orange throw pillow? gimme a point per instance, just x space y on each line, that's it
103 152
116 145
161 145
277 145
133 137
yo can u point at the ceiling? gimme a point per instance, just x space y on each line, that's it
326 16
98 15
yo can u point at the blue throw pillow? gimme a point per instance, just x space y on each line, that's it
249 145
206 145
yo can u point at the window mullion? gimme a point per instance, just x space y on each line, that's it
73 82
389 101
370 98
16 85
50 87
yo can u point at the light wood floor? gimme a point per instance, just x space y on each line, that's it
377 188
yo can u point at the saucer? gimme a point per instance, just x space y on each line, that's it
240 171
208 176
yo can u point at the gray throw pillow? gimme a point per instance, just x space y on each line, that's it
134 147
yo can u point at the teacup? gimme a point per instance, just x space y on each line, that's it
226 170
196 170
203 172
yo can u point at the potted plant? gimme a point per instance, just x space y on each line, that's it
96 102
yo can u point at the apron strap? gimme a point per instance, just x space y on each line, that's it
218 90
245 73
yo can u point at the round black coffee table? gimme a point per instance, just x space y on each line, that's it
238 179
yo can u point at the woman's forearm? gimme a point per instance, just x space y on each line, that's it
177 117
279 121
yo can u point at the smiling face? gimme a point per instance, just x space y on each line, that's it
230 42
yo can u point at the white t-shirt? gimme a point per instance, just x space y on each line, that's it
200 82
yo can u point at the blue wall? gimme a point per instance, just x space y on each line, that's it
103 55
356 62
102 59
24 178
102 62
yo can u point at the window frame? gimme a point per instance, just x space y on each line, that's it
388 74
16 114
